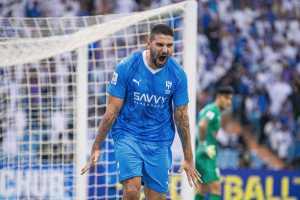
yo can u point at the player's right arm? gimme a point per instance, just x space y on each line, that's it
112 111
202 129
117 92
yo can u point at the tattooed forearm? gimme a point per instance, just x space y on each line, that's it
183 128
106 123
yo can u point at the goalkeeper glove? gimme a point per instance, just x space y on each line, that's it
209 150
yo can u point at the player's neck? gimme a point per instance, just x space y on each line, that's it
149 61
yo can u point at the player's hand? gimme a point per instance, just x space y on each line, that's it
194 177
92 161
211 151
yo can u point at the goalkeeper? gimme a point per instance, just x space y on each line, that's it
209 124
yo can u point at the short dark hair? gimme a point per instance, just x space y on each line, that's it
224 90
161 29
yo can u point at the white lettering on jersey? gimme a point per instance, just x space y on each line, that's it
147 99
114 78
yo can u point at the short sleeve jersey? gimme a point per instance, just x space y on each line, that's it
149 98
212 114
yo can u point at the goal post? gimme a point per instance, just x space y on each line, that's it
81 122
54 74
189 64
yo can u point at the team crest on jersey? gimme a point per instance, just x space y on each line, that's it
168 86
114 78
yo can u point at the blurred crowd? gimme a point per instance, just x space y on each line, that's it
65 8
252 45
36 113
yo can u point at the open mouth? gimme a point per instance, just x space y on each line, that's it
162 58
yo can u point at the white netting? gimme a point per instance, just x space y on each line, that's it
39 109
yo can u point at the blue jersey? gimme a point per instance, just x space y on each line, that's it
147 112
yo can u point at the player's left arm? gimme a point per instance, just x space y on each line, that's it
183 128
180 100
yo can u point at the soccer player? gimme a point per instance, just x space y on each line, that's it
146 90
209 124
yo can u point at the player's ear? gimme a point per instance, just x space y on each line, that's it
149 40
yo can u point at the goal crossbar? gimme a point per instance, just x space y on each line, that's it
41 48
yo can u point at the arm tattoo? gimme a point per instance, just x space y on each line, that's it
106 123
183 128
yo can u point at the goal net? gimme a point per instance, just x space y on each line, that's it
54 74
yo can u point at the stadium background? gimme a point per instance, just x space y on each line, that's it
254 46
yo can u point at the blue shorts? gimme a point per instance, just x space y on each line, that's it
150 161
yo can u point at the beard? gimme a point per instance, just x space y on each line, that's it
159 60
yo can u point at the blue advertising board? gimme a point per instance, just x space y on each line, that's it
39 182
